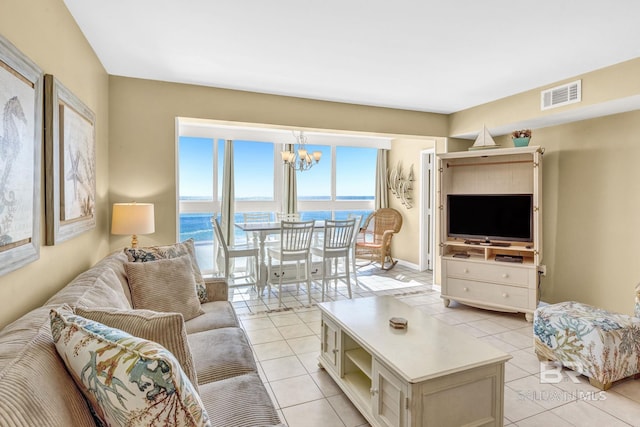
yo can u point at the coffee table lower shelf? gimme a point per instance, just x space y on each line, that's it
360 386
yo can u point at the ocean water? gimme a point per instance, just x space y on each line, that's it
198 225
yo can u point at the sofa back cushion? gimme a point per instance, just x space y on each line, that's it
35 387
98 286
115 262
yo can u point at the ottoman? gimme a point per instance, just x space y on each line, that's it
599 344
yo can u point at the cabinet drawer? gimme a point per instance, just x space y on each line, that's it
489 272
511 296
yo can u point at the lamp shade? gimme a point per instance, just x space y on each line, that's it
132 218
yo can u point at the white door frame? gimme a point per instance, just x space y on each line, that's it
427 209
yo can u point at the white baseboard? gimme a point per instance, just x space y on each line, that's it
407 264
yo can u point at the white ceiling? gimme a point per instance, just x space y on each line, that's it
425 55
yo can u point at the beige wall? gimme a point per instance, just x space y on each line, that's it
591 200
142 133
608 84
45 32
407 151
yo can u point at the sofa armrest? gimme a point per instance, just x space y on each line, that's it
217 288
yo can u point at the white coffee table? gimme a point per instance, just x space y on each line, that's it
431 374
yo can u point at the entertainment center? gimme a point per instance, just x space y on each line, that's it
490 221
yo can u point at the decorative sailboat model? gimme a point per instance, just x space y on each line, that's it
484 141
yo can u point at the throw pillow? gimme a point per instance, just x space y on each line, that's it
125 379
165 285
166 329
154 253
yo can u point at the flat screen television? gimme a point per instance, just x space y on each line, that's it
490 217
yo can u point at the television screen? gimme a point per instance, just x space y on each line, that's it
490 216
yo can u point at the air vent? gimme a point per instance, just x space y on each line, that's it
561 95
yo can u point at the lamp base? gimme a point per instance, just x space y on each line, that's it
134 241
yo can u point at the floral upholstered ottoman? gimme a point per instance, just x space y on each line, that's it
601 345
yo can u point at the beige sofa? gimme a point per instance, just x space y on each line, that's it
36 389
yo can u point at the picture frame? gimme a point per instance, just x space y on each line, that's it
70 163
21 95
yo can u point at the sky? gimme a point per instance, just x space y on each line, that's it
254 170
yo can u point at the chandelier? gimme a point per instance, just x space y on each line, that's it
304 160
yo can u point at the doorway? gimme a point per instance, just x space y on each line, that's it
427 211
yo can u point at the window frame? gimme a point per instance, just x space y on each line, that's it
206 206
218 131
197 206
333 204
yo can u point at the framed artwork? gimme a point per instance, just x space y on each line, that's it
20 158
70 163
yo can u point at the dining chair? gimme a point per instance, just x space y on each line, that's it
237 251
336 244
248 217
293 251
283 216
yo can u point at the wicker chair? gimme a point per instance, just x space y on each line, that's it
374 240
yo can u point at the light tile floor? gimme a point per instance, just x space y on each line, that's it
286 343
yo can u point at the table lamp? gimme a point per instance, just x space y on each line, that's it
132 218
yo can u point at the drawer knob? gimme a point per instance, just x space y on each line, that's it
505 295
466 270
335 351
465 289
373 391
505 275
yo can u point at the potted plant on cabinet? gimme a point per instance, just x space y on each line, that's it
521 137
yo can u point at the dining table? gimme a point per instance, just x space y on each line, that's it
262 230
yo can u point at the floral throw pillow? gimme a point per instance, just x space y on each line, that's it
126 380
166 329
154 253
